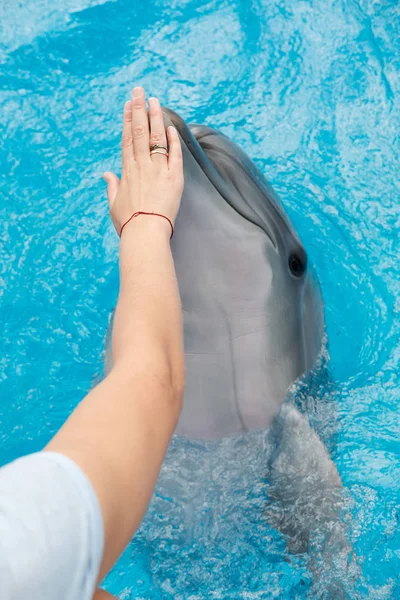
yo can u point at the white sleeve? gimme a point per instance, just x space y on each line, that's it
51 530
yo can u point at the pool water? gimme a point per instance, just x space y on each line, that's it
310 89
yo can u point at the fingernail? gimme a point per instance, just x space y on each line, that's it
128 105
138 92
153 102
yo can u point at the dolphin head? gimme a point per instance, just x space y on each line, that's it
253 313
252 309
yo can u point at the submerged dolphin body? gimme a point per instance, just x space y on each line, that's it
253 313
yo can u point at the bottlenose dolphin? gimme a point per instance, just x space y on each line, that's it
253 312
253 323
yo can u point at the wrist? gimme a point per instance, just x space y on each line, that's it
150 226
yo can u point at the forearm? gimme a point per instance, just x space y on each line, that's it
120 432
149 305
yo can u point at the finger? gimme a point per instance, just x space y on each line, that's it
175 150
127 142
113 184
157 130
140 126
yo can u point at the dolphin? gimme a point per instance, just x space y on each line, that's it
252 307
253 323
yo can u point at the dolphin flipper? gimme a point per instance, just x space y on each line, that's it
306 500
301 475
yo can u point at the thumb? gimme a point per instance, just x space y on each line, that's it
113 184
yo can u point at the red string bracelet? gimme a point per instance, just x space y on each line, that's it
140 212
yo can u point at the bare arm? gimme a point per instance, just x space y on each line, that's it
103 595
120 432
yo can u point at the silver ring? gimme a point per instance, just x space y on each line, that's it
158 147
159 151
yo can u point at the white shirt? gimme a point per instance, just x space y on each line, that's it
51 530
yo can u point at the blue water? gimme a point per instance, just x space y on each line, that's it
310 89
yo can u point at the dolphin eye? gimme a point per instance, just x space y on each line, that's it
298 263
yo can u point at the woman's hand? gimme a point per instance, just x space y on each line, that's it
149 183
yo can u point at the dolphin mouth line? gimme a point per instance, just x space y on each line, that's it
224 193
211 172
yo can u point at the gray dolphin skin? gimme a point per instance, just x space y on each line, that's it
253 313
